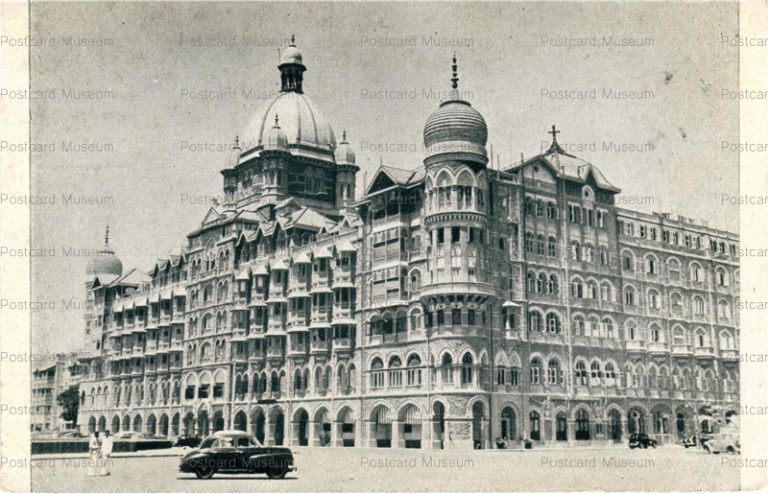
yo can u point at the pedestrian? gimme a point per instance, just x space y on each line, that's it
106 451
94 448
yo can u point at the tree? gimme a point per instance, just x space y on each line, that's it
69 402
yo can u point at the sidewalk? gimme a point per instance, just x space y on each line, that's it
149 453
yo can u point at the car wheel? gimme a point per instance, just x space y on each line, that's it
645 446
730 450
277 472
204 472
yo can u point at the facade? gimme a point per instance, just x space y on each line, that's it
451 306
48 382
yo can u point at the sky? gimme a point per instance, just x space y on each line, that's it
376 70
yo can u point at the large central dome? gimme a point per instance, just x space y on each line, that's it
301 121
306 130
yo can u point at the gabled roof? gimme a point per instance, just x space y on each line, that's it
389 176
569 167
211 216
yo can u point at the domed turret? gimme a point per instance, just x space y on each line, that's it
275 139
344 154
291 55
105 265
456 129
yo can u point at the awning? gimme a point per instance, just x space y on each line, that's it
323 252
510 304
278 264
412 415
243 275
301 258
261 270
345 246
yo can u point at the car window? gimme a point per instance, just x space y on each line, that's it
225 442
243 442
208 443
254 442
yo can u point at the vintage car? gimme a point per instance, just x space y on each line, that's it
641 441
723 443
187 441
236 452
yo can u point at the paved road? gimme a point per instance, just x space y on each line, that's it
666 468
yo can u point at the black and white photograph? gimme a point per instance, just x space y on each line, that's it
387 247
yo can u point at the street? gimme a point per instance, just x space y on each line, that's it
358 469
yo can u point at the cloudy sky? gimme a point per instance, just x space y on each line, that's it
637 89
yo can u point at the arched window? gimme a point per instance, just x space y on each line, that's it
604 256
541 282
698 306
535 371
395 372
596 373
377 373
552 247
608 328
628 261
629 296
578 325
552 288
446 369
577 288
581 373
696 273
606 292
414 371
553 373
534 321
654 301
553 323
651 265
592 289
467 366
575 251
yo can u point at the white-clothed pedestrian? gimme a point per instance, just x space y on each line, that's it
94 449
106 451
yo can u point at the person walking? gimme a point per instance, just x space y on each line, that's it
94 448
106 451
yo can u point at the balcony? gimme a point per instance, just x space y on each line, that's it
342 345
320 347
730 355
343 311
344 278
298 289
297 350
238 334
704 352
275 353
634 346
275 326
256 356
658 348
321 283
681 350
321 317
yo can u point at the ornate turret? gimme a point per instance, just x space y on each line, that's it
455 130
292 68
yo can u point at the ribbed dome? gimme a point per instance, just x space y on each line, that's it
105 264
455 120
344 154
300 121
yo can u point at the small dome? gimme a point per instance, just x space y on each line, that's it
344 154
291 55
275 139
105 264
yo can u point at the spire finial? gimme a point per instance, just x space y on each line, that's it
293 39
455 78
554 133
277 120
344 135
106 236
237 141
